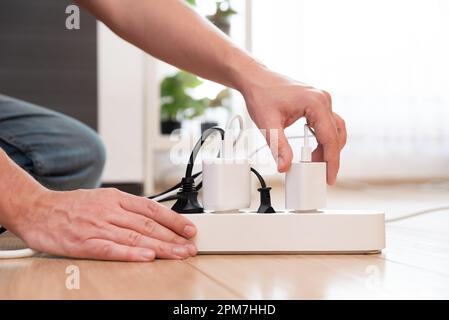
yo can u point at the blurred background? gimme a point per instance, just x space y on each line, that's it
384 62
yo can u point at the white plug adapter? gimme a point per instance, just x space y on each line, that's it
305 182
305 186
226 184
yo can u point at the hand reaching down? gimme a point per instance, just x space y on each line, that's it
276 102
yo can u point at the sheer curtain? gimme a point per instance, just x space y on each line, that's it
386 64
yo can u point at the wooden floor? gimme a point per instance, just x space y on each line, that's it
414 265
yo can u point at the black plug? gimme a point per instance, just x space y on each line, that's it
265 198
187 198
265 201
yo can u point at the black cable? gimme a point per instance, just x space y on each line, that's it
177 186
198 146
188 194
265 198
311 129
191 162
261 180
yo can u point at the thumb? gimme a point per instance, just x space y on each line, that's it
282 153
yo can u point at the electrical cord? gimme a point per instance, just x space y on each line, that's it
196 149
161 195
173 190
187 196
175 197
15 254
417 213
288 138
265 198
259 177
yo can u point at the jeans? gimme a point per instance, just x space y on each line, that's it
58 151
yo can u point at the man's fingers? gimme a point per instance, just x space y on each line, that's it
341 128
285 156
326 133
102 249
318 154
280 148
158 213
132 238
150 228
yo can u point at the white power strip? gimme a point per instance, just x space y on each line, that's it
327 231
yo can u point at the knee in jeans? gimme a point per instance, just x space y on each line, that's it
97 157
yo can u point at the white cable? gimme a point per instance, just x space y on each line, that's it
226 145
228 126
266 145
16 254
173 192
165 195
417 213
306 150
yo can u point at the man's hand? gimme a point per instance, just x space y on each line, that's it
104 224
276 102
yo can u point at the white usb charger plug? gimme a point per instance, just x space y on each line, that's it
226 184
305 182
227 179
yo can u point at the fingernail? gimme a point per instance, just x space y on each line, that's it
189 231
281 162
192 249
180 251
147 255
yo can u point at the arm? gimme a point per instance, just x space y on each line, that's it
171 31
101 224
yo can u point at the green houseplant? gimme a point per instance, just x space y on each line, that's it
177 103
222 16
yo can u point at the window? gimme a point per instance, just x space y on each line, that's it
386 65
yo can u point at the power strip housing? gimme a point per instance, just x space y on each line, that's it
327 231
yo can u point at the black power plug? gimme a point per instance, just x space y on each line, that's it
188 194
265 201
265 198
187 198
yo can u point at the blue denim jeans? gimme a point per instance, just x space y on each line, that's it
58 151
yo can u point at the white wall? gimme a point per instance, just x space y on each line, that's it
121 106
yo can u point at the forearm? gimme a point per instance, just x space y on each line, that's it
171 31
18 192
